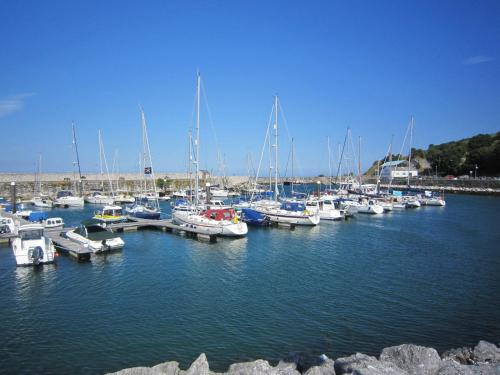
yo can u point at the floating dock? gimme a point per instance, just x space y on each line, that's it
66 246
167 225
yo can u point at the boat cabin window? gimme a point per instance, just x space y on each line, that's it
64 193
32 234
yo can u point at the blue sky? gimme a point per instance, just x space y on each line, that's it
364 64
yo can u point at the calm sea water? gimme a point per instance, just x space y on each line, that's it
430 276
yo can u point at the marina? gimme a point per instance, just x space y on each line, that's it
356 264
249 188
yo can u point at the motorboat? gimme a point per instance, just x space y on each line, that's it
95 237
53 223
97 197
412 203
7 225
434 201
370 206
42 201
328 209
65 198
218 193
223 222
290 213
110 214
31 247
122 198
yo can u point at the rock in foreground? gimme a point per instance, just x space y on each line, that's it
406 359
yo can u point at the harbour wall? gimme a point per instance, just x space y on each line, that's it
52 182
406 359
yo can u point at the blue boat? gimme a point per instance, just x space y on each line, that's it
37 216
255 218
142 209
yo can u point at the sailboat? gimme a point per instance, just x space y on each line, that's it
39 199
99 197
220 221
283 212
146 205
67 198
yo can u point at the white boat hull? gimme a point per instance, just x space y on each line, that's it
279 216
96 246
208 226
370 209
69 202
99 200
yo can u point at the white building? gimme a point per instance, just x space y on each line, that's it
397 169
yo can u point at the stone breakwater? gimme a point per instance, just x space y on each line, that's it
407 359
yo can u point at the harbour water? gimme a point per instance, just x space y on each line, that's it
429 276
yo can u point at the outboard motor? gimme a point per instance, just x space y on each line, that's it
36 255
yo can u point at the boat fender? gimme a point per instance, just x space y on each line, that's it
236 220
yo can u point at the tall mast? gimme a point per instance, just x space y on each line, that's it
329 163
359 162
293 176
197 140
116 169
75 145
40 174
148 161
276 148
390 163
409 153
190 161
100 159
102 156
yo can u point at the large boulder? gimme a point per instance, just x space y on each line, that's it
289 365
416 360
135 371
167 368
486 352
451 367
325 366
464 356
198 367
362 364
258 367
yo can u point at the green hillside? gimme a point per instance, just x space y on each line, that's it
458 157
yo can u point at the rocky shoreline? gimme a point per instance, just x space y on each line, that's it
406 359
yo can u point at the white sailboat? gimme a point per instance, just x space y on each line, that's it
286 212
146 205
99 197
67 198
39 199
220 221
